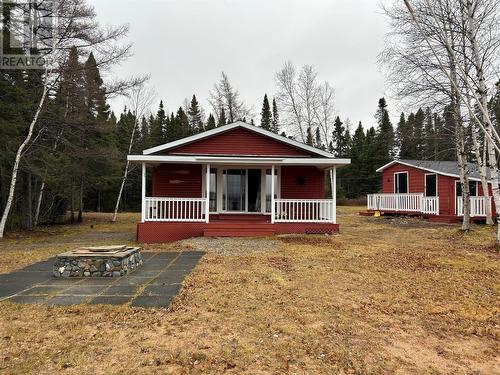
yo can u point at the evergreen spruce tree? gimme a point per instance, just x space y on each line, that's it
195 117
275 124
385 135
318 143
181 124
405 137
418 135
338 137
372 160
266 115
210 122
157 134
428 146
222 118
309 140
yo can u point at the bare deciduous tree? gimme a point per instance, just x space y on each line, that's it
304 103
225 96
141 98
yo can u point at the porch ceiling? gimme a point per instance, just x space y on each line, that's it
237 160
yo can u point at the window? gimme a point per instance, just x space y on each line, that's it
213 190
268 188
430 185
472 188
401 182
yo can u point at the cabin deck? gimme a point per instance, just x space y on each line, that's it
227 225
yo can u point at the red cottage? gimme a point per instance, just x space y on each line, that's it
235 180
428 188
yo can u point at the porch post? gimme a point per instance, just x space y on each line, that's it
272 195
143 194
207 188
333 175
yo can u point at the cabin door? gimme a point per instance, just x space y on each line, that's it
241 190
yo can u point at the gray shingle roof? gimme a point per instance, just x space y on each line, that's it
444 167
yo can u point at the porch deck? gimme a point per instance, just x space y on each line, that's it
417 204
227 225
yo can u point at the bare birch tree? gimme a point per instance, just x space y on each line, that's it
141 98
481 31
304 103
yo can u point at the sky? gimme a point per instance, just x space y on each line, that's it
184 45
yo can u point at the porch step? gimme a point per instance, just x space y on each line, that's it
239 229
238 232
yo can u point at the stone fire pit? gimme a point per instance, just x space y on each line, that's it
103 261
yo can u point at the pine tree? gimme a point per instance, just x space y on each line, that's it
405 137
222 118
371 161
318 143
265 115
195 117
210 122
338 137
309 140
157 134
418 135
428 147
385 134
181 124
275 124
95 93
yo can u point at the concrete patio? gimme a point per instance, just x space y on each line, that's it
154 284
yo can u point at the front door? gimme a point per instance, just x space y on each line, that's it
241 190
234 190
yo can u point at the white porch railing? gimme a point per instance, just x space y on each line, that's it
304 211
477 206
411 202
175 209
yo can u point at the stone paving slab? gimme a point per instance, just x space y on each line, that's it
158 281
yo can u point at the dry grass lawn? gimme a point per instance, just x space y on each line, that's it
384 296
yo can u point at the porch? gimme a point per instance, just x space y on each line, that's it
418 203
235 200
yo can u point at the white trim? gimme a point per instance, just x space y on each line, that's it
381 169
272 195
234 125
207 187
407 182
143 193
158 159
425 183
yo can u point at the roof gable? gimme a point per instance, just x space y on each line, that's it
238 138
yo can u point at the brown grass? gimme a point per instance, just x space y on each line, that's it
384 296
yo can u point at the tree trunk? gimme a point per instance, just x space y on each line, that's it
125 173
72 204
17 161
80 204
39 204
29 202
483 97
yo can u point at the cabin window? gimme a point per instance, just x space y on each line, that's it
472 188
431 185
401 182
213 190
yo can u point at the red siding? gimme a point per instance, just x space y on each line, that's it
180 181
312 187
239 142
416 184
